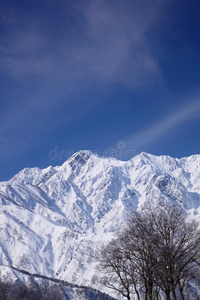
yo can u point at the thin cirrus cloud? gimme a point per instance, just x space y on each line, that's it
160 129
110 45
106 43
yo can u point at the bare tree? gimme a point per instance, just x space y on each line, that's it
4 287
126 262
177 244
19 290
117 269
51 291
158 248
31 291
140 250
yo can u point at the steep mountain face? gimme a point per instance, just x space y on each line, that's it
52 219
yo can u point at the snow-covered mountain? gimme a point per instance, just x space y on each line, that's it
52 219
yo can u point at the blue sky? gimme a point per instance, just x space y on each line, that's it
111 76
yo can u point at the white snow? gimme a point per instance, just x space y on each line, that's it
53 218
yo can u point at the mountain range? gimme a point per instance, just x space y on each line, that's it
52 220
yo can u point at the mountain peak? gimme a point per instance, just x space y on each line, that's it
64 211
80 157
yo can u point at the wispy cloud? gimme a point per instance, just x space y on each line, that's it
106 42
158 130
110 44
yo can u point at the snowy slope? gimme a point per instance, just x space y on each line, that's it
52 219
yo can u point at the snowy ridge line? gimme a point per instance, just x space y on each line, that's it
63 282
52 219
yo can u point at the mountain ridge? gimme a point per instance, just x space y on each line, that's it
53 218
